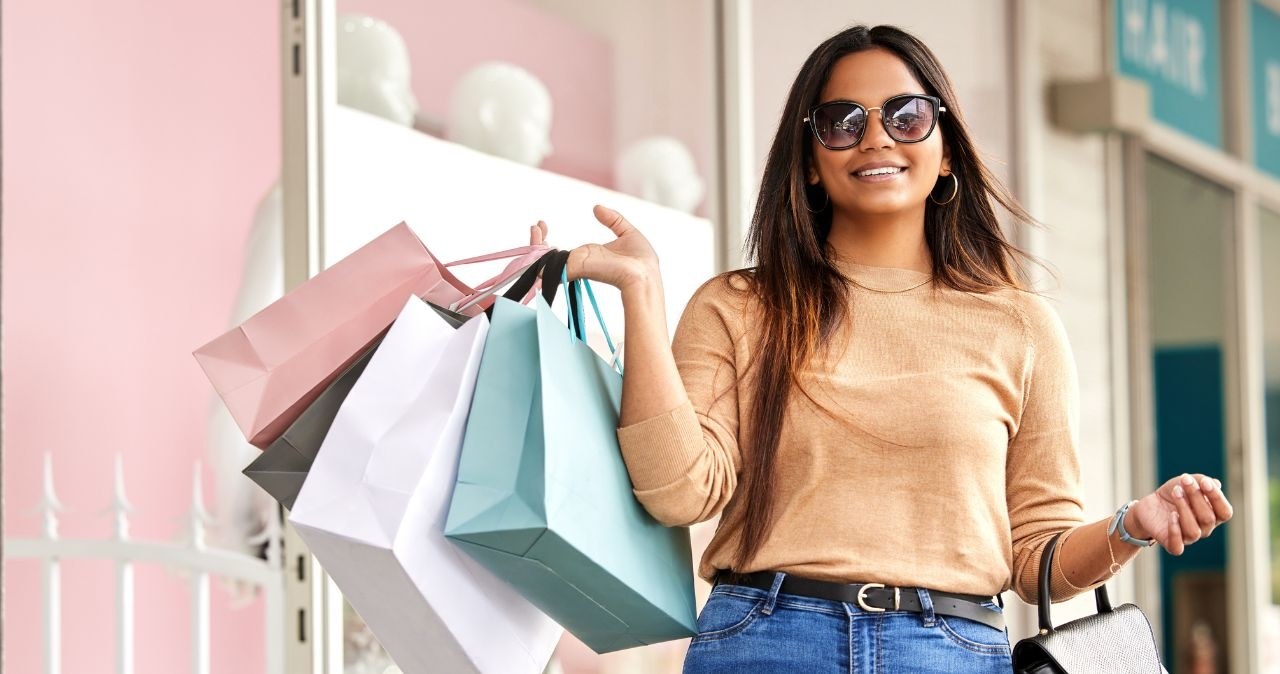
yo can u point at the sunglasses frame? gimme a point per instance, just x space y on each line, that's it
813 124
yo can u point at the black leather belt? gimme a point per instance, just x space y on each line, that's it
872 597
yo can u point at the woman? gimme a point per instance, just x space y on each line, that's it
883 417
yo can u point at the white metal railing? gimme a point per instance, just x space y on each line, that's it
189 556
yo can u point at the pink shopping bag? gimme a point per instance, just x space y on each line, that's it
270 368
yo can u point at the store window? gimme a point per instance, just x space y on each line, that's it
1187 217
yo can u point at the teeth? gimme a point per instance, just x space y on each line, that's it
880 171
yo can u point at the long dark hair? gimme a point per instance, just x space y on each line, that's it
802 294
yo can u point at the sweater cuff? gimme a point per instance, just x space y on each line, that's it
660 450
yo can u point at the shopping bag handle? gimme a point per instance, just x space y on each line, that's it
519 291
576 321
501 255
616 361
557 263
549 265
520 259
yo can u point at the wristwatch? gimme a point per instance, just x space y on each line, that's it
1117 523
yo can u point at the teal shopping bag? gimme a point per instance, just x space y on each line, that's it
543 498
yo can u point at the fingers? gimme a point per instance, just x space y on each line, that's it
1198 506
1222 509
612 219
1188 530
1198 497
538 233
1173 536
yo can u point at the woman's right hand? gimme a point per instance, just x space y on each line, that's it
626 261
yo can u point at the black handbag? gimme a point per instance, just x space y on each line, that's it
1113 640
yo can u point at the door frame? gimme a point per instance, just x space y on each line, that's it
313 605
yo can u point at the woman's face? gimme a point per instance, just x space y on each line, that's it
869 78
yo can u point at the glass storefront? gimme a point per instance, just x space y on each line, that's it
1185 232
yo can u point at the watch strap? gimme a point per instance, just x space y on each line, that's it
1117 524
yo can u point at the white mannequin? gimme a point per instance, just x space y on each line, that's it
373 69
366 46
660 169
502 110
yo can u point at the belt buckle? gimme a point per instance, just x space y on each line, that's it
862 597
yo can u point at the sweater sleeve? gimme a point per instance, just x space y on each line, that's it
684 462
1043 467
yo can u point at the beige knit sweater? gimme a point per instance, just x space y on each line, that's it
934 446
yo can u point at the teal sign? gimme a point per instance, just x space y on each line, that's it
1174 46
1265 73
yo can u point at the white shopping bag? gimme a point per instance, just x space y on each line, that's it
373 507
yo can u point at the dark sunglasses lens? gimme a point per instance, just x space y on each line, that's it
910 118
840 124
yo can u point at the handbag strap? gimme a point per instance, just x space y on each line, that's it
1043 597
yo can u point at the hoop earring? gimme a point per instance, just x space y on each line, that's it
955 189
825 203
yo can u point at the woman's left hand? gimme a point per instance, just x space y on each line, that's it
1179 513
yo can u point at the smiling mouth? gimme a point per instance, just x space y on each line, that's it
882 171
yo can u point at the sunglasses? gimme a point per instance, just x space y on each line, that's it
908 118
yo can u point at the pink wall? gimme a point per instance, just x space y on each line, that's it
448 38
137 140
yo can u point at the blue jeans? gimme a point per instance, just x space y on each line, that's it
747 630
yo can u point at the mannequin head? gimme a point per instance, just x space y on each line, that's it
502 110
660 169
373 69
